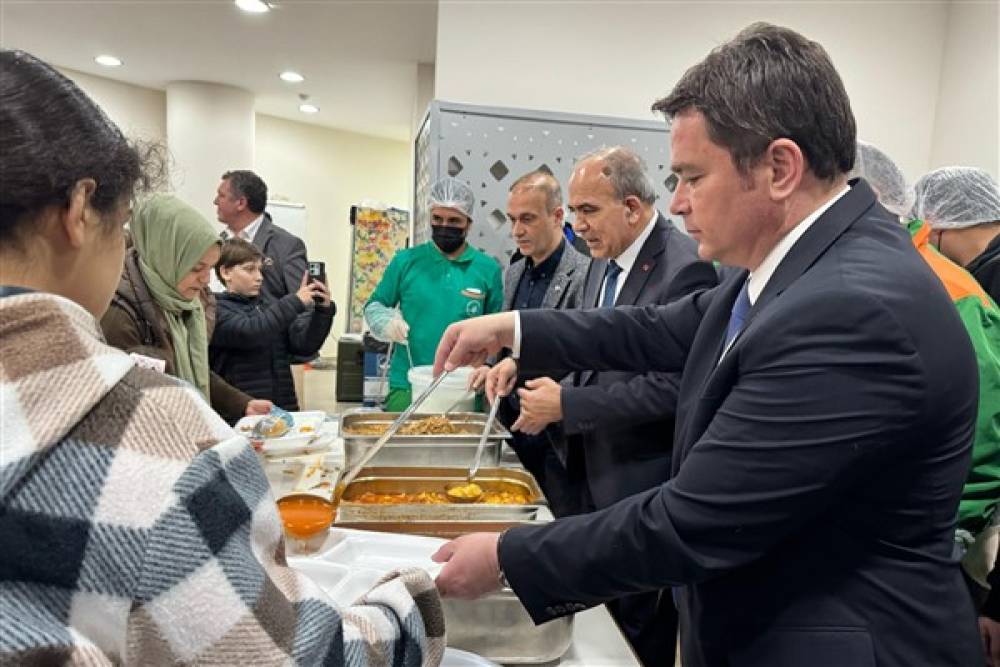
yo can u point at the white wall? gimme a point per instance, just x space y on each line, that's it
140 112
328 171
210 130
968 112
617 58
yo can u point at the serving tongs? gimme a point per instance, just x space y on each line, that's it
351 473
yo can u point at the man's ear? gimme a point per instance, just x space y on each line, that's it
788 165
224 273
73 220
634 207
559 214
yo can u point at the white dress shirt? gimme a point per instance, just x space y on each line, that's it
626 260
248 232
759 278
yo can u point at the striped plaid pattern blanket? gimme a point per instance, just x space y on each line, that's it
138 528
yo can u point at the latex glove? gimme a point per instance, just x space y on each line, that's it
473 568
258 406
541 404
397 330
501 378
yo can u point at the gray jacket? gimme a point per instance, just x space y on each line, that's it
566 286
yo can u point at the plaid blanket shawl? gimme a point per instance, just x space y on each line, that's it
136 527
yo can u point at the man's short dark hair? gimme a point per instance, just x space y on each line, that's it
770 83
236 252
245 183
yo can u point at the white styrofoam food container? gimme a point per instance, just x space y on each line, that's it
305 428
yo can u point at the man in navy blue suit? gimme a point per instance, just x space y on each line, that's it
825 413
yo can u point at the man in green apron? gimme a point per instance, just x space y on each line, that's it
429 286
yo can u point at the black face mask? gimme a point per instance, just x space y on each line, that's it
448 239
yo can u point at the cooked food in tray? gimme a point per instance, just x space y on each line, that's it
440 498
433 425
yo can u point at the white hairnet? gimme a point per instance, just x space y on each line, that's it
884 176
452 193
955 197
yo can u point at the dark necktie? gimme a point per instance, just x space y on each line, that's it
739 315
610 284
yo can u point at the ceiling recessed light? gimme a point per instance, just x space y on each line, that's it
253 6
291 77
308 108
108 61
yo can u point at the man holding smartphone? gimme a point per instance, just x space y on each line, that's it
240 203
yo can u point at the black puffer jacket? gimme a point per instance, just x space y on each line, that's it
254 340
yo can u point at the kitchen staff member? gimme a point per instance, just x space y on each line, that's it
429 286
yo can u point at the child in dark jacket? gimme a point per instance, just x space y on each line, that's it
254 339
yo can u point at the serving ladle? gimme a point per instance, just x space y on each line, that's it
468 491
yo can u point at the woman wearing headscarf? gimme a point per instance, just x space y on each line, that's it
162 308
136 526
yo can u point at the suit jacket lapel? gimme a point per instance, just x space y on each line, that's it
510 281
591 297
595 276
563 274
645 261
827 229
263 234
703 359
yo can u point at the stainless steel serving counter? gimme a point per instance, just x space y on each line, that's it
595 639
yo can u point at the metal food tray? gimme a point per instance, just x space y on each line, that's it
497 627
415 480
447 530
470 423
424 453
458 449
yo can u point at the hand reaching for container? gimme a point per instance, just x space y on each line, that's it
470 342
472 566
258 406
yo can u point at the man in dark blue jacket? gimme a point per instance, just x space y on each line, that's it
255 336
825 413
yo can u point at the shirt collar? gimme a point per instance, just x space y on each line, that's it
631 253
759 278
549 264
250 231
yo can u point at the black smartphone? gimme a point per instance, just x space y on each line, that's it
317 271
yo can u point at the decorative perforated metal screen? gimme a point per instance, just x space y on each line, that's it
491 147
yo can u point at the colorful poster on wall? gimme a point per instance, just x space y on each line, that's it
378 234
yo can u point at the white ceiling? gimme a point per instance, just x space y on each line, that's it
359 57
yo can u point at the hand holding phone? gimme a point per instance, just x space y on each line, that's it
317 272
